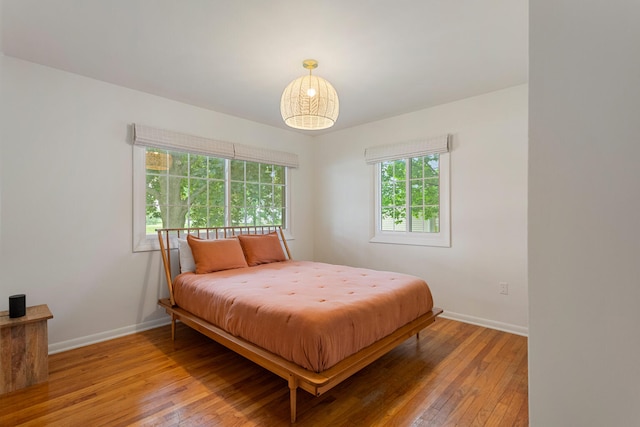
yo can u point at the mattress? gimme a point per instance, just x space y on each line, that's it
312 314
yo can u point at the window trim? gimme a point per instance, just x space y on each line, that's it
440 239
143 242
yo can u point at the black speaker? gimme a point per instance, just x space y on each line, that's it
17 305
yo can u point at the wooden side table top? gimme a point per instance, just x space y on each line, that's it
35 313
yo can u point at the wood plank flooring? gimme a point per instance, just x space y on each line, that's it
455 374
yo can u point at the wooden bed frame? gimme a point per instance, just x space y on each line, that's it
296 376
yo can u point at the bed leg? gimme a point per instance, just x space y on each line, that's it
173 327
293 394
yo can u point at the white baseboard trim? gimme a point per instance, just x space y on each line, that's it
107 335
491 324
128 330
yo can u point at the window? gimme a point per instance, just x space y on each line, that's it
412 193
190 190
258 194
176 188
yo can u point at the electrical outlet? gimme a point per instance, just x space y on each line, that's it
504 288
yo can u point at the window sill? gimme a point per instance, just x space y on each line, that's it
441 239
150 242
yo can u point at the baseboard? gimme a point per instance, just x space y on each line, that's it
491 324
107 335
128 330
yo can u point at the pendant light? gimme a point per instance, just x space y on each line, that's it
309 102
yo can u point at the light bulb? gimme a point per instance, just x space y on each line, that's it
311 92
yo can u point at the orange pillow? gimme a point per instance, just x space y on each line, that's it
216 255
261 248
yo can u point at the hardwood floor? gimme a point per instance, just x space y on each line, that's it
455 374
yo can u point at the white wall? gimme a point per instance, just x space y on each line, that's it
1 108
66 174
584 213
66 240
488 205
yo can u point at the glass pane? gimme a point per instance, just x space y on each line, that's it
393 219
279 196
237 193
164 215
281 218
237 216
417 198
431 165
237 170
266 174
417 219
416 167
157 161
176 216
216 193
198 166
400 192
253 194
431 212
154 218
278 174
156 189
387 194
386 171
431 219
198 191
387 219
400 169
250 216
266 195
177 190
431 192
198 216
216 217
268 216
179 164
216 168
253 172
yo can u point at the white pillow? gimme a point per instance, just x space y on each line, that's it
187 264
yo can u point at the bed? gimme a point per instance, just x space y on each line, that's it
313 324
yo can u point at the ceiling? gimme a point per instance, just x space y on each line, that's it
383 57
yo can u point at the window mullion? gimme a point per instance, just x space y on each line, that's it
227 192
408 196
244 198
189 190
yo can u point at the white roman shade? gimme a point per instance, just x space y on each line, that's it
169 140
407 150
264 155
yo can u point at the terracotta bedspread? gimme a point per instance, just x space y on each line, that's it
312 314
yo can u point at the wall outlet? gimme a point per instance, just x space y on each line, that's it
504 288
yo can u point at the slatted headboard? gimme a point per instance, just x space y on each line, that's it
168 241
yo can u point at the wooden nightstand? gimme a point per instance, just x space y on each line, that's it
24 348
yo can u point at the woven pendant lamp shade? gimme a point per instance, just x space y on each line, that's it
309 102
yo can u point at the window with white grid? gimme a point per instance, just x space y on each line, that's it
412 193
186 181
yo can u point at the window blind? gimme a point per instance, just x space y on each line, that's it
169 140
265 155
407 150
